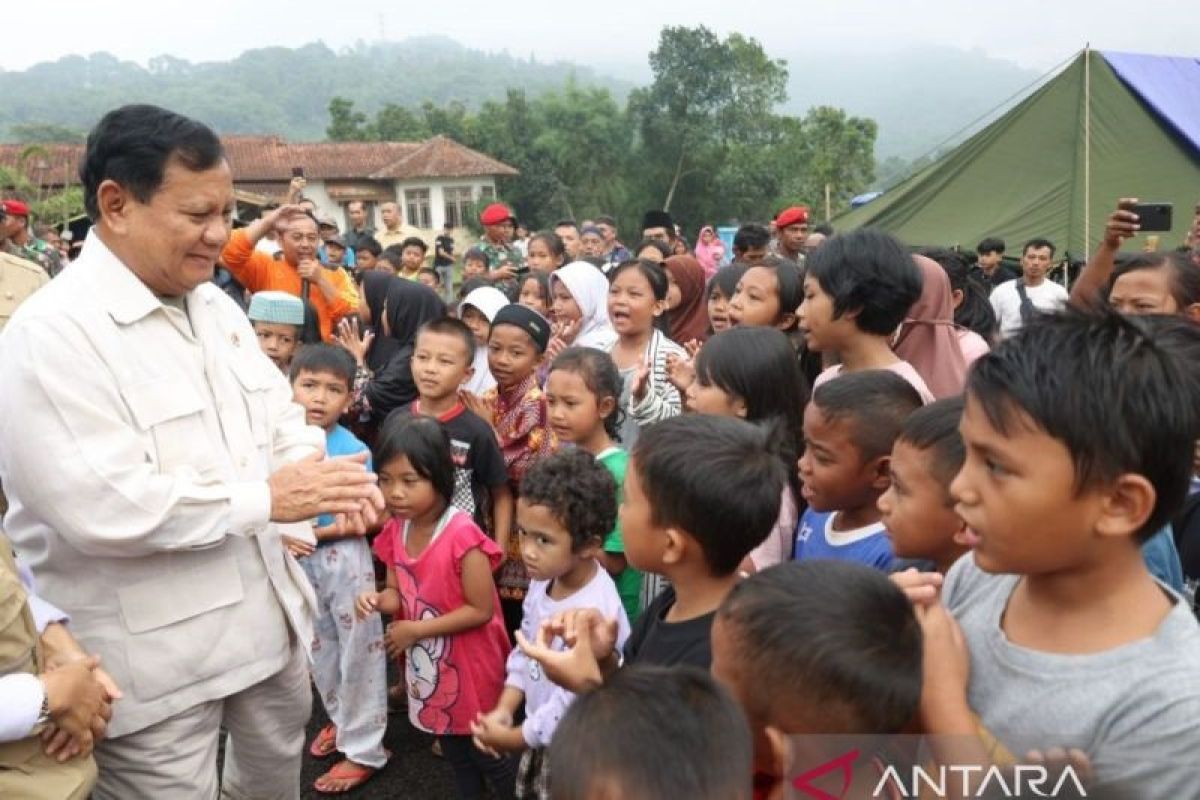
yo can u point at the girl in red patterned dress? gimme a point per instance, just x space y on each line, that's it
445 613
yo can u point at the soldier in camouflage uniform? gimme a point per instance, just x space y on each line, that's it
20 243
505 262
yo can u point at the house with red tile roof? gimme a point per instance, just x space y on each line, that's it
434 182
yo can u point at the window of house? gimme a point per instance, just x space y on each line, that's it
459 200
416 202
487 193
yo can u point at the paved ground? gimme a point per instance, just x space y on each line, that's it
413 773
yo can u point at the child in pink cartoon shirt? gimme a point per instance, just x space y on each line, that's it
441 596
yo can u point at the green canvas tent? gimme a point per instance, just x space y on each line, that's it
1109 125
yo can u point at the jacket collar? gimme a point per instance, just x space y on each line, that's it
117 289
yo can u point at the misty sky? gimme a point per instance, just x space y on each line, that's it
1033 33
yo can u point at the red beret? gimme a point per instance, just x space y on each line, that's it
791 216
15 208
496 213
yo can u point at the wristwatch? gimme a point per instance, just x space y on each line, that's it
44 712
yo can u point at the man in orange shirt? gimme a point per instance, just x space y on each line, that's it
330 291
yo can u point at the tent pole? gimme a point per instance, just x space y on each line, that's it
1087 148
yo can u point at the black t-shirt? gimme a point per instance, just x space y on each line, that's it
446 243
666 644
1003 273
478 464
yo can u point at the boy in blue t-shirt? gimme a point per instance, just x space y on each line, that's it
849 428
349 668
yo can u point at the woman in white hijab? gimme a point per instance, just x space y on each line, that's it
579 295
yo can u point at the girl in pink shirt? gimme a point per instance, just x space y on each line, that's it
446 616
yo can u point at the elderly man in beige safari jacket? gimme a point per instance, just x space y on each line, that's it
150 452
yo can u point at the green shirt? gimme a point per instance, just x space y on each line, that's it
629 582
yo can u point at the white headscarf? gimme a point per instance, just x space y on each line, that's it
488 300
589 287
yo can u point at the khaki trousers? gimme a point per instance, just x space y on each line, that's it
177 758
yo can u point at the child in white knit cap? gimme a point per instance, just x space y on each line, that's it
278 319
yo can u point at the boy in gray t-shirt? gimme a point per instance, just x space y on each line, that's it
1078 437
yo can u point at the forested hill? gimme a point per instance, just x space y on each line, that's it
918 96
276 89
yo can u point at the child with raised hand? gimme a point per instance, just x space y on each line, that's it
751 373
579 309
567 508
825 650
581 395
676 526
651 733
477 310
636 300
1054 631
349 668
441 365
858 289
917 509
278 321
446 615
850 426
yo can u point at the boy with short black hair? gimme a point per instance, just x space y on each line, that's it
917 509
1079 435
389 260
475 264
990 262
850 426
278 320
751 244
366 251
653 733
675 525
441 364
412 257
349 669
823 649
516 409
430 277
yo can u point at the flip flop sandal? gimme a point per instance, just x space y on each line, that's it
325 743
357 774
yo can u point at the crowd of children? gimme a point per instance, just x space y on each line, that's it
649 529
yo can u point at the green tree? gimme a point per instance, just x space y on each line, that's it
587 138
707 95
346 124
840 153
395 123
